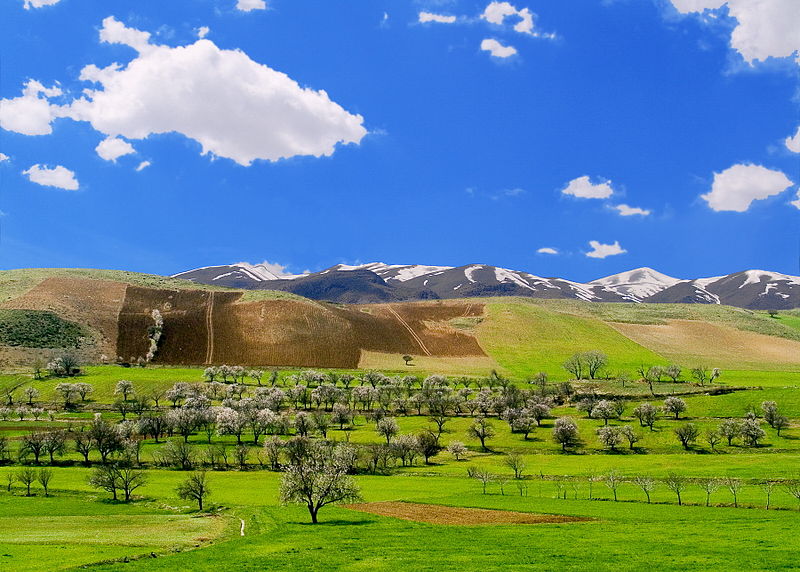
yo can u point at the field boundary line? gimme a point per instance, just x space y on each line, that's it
210 328
410 330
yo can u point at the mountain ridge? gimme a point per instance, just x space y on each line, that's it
379 282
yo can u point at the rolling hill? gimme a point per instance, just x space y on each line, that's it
518 336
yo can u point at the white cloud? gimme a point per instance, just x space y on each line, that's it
250 5
112 148
496 49
4 158
766 28
625 210
583 187
735 188
203 31
233 106
425 17
793 142
31 113
497 12
143 165
59 177
600 250
39 3
796 202
547 250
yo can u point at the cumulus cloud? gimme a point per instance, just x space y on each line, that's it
793 142
625 210
250 5
112 148
4 158
547 250
583 188
143 165
31 113
39 3
497 12
59 177
600 250
765 28
496 49
233 106
203 31
735 188
425 17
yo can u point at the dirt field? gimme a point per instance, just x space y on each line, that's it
96 303
691 343
438 514
203 327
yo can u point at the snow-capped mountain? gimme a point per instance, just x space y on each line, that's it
379 282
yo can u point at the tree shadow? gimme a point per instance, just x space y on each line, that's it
338 522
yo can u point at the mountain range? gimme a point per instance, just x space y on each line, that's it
378 282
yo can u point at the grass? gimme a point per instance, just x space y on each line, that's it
38 329
525 338
428 365
623 537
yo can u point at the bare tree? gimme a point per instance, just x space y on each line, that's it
44 477
632 436
677 484
700 374
613 480
709 485
687 434
730 429
647 414
734 486
457 449
713 438
27 476
767 486
482 430
516 463
195 488
647 484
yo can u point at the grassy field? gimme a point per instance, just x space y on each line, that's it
158 531
525 338
621 536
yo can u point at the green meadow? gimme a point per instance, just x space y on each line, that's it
245 527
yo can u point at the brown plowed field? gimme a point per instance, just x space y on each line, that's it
439 514
95 303
430 322
285 332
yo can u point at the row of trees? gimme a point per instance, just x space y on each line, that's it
594 365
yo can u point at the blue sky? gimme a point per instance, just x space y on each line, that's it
314 133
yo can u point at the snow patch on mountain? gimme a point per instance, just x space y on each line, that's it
639 283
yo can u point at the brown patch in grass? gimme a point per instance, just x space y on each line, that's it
439 514
693 342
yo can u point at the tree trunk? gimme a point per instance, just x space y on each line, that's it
313 511
200 501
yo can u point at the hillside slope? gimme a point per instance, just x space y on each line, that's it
517 336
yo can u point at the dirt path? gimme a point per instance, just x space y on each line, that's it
410 330
210 328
